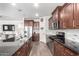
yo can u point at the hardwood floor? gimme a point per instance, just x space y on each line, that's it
40 49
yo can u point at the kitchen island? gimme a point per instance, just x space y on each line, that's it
11 48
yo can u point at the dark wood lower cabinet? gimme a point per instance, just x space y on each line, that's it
35 37
24 50
58 49
61 50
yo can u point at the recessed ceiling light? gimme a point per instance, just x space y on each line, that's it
36 14
36 4
13 4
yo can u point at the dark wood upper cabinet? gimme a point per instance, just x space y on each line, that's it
54 20
28 23
36 25
56 13
76 15
50 22
66 16
62 16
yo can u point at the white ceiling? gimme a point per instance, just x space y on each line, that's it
27 10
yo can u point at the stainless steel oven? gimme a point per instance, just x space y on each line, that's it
61 36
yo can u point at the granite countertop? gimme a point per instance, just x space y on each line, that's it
64 44
9 48
52 37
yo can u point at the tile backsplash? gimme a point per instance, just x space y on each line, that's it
67 31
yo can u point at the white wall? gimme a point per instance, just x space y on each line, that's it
43 31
